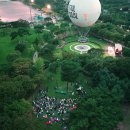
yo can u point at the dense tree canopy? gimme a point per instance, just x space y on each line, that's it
99 110
105 79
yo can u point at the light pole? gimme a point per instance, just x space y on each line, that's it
31 2
48 8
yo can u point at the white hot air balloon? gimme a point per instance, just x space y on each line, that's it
84 13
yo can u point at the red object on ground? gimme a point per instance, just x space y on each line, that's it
48 123
74 107
45 116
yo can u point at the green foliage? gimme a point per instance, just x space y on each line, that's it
20 47
103 77
13 56
39 28
18 108
47 36
21 66
13 35
120 67
92 65
105 30
20 32
20 23
95 52
70 70
55 42
53 67
47 51
39 65
99 110
126 52
127 40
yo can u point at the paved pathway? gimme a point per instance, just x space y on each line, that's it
14 10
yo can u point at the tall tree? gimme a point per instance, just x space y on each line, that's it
70 71
22 66
99 110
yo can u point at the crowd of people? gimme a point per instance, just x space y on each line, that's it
52 108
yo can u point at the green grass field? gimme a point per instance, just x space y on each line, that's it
101 43
54 80
93 43
5 48
70 46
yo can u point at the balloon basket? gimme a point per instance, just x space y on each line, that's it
83 39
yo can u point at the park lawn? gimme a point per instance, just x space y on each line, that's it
94 42
54 126
42 126
6 47
67 47
54 80
102 43
71 39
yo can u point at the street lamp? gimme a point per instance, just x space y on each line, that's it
48 6
31 2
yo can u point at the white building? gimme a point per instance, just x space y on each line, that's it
118 48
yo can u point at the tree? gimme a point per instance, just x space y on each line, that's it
95 52
13 35
60 7
23 32
20 47
21 66
20 23
99 110
26 85
20 32
8 92
38 80
70 71
26 122
18 108
39 28
47 36
47 51
104 77
127 39
53 28
64 25
92 65
122 69
53 69
48 20
55 42
126 52
13 56
13 113
39 65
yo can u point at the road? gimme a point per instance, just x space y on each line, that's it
14 10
